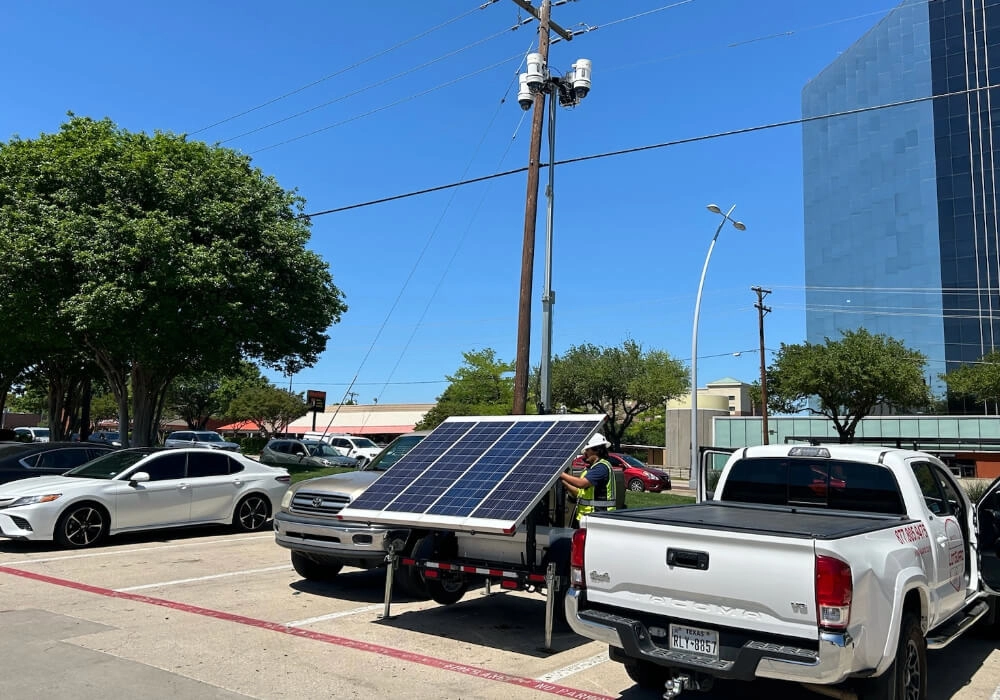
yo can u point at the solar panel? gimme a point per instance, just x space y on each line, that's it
484 473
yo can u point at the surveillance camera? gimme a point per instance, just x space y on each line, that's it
536 72
524 96
581 77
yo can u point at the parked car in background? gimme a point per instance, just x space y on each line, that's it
142 488
109 437
20 460
281 452
200 438
32 434
638 476
360 448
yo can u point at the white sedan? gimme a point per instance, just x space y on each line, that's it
141 489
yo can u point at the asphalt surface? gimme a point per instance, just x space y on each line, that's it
205 614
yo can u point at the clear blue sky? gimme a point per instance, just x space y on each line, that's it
430 277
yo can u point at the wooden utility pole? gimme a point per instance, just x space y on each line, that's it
521 364
761 311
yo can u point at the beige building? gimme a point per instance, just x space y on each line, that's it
383 421
723 397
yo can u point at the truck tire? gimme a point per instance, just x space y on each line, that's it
447 590
906 678
314 570
409 582
647 675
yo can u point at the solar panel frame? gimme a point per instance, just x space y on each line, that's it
498 466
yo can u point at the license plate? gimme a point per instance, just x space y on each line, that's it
694 640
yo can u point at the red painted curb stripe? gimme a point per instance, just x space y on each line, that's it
560 690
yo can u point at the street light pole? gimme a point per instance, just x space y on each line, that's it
548 296
738 225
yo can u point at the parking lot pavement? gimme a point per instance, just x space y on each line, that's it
212 614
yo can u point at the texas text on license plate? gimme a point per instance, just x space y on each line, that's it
694 640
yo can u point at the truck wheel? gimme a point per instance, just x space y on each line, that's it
313 570
647 675
409 582
906 678
636 485
447 590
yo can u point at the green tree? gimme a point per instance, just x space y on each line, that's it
648 429
979 382
157 255
203 395
103 407
271 408
849 377
622 382
480 387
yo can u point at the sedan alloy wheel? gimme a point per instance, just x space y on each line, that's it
251 513
81 526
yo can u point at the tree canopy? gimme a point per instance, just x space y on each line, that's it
621 382
482 386
154 256
849 377
271 408
980 381
200 396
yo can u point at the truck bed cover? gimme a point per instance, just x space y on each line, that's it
781 521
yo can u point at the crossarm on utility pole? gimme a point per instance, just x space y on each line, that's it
527 6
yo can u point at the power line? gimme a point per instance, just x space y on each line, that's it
379 83
475 213
650 147
387 106
417 261
515 27
341 71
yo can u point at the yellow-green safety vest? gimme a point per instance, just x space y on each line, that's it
585 502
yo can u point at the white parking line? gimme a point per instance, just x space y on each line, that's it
202 578
91 555
560 673
996 694
333 616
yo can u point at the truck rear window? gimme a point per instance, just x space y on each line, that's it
817 483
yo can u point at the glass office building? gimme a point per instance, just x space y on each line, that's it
901 233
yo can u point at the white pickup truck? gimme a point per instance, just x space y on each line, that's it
834 566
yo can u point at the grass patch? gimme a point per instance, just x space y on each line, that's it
641 499
303 473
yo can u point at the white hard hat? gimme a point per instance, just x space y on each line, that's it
596 440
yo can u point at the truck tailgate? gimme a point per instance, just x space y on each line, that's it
703 574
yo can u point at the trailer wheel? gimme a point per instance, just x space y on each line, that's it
448 589
647 675
906 678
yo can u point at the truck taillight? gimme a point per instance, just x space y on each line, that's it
834 590
576 576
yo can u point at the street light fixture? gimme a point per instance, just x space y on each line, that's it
739 226
568 90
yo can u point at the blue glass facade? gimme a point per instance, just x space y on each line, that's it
900 203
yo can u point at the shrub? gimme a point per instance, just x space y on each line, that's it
251 445
975 488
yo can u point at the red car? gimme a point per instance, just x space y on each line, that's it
638 477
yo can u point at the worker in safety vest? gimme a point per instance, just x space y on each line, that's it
595 487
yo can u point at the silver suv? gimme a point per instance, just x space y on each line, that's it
200 438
